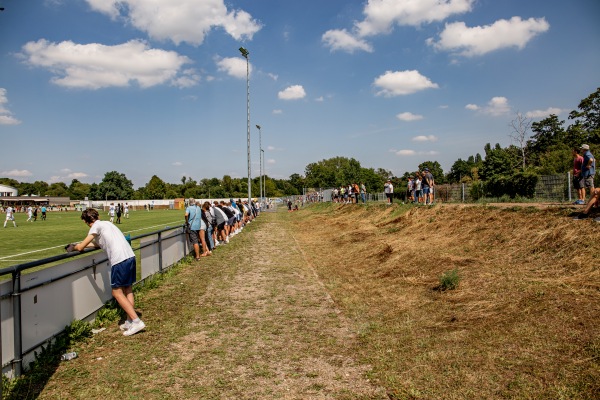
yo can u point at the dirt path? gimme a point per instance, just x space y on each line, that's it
251 322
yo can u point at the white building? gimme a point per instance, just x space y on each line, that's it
8 191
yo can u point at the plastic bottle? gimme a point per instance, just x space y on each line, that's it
68 356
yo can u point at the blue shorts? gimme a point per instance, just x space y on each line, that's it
123 273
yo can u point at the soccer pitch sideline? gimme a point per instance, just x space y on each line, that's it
32 241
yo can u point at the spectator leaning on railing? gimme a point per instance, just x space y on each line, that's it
105 235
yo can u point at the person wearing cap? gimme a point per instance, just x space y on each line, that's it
388 189
588 168
427 185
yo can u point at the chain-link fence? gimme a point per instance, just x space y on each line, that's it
554 188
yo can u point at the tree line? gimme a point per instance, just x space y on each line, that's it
537 148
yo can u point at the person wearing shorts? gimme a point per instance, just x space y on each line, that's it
105 235
588 168
10 216
193 218
388 189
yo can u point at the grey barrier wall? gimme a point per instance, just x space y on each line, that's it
163 251
36 306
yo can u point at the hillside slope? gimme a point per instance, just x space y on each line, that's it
523 322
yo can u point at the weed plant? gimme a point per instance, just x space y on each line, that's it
449 280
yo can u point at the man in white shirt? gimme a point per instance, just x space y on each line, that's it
105 235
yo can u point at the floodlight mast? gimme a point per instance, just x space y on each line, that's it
246 54
260 165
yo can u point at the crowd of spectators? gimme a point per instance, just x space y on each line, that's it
209 225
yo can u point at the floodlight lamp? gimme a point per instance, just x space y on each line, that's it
244 52
258 127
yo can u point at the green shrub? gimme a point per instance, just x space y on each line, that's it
78 330
449 280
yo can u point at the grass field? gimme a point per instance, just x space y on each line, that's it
36 240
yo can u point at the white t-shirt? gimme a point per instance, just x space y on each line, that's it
111 239
9 213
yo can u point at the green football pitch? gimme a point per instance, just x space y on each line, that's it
32 241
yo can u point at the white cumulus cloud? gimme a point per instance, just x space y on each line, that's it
496 107
95 66
293 92
400 83
234 66
6 117
423 138
405 152
180 20
16 173
408 116
543 113
381 15
341 39
479 40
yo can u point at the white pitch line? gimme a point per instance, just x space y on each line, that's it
56 247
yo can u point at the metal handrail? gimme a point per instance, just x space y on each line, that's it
15 293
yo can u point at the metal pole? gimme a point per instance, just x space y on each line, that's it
18 334
569 185
260 164
246 55
264 175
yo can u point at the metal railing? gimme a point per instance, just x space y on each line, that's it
35 307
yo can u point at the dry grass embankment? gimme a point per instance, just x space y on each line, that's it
523 322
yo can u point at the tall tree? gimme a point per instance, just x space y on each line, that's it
499 161
587 118
436 170
79 190
156 188
58 189
547 133
115 186
520 127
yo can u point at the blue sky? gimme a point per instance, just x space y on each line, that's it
158 87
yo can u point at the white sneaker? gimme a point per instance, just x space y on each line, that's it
124 326
134 328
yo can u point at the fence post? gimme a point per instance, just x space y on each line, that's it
463 191
17 345
160 256
569 184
